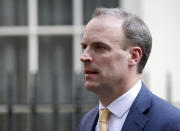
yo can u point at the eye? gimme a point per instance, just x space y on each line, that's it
83 47
99 47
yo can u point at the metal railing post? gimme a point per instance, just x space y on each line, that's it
55 103
9 102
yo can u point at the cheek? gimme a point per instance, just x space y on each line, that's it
110 64
118 63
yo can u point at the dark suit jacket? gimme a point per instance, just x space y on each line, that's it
147 113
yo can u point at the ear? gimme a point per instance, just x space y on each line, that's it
135 55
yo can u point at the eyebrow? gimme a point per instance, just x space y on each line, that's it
82 43
101 43
95 42
107 46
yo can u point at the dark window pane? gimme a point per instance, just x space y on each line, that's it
65 122
14 122
3 122
44 122
88 97
55 69
55 12
80 94
13 12
20 122
13 70
62 122
90 5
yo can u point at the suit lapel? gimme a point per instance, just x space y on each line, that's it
91 126
137 118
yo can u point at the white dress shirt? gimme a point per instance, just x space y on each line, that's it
120 108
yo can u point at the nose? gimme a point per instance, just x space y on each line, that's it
85 56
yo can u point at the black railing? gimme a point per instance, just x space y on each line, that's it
10 102
55 102
33 100
55 107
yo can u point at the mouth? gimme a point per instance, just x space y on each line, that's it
90 73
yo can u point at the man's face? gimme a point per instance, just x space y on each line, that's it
105 61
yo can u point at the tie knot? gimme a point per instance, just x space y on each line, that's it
104 115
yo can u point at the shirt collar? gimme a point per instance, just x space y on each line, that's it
122 104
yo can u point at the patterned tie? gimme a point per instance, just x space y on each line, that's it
104 115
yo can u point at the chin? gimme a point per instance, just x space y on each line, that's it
91 87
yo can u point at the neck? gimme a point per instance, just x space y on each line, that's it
108 95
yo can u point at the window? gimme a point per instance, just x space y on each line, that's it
90 5
13 70
55 12
41 81
55 69
13 12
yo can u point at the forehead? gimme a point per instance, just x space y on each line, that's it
103 28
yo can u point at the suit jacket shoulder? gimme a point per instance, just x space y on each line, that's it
147 113
151 113
163 115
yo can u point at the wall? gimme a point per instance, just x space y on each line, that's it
163 19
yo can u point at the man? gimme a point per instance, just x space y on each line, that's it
116 46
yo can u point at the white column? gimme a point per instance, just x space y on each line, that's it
78 22
32 52
133 6
32 39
